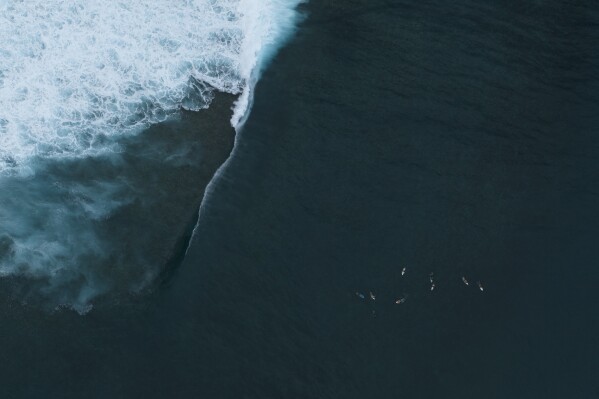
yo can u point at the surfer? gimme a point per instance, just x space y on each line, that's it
480 286
464 280
359 295
403 271
433 286
400 300
372 296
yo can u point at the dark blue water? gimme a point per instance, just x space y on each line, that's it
458 139
455 139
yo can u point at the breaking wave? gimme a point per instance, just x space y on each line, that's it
76 77
73 72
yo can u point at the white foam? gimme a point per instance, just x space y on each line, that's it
77 74
73 72
270 24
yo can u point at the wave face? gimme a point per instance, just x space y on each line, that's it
77 76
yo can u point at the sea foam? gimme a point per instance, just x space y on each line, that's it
73 72
76 78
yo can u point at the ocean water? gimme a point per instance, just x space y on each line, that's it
454 139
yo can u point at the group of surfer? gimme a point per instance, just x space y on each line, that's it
480 286
401 300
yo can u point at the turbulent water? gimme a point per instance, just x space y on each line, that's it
79 77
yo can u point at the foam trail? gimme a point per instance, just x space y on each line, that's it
76 77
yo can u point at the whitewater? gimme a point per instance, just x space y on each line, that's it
75 78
